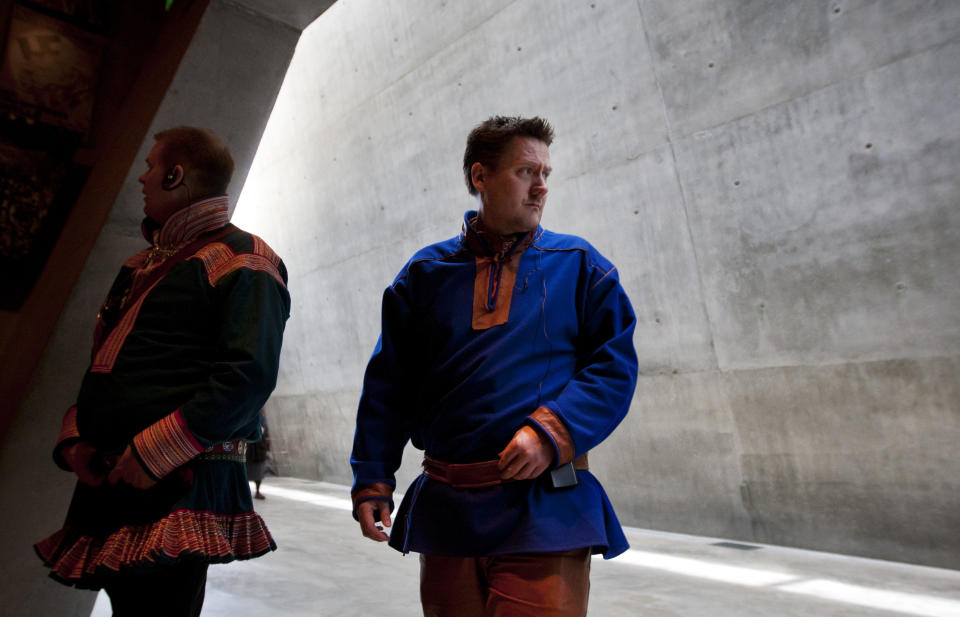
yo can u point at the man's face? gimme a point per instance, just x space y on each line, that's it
513 195
159 204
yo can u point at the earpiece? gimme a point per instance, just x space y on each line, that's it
172 179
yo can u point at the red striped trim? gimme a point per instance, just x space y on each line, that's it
218 537
110 349
248 262
219 260
214 256
137 260
68 429
195 220
166 444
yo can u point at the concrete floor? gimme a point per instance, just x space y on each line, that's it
325 567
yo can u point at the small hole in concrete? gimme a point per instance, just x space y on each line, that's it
614 108
710 65
868 146
736 183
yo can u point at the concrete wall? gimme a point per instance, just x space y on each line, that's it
227 81
775 180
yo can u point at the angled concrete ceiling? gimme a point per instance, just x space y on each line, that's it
296 13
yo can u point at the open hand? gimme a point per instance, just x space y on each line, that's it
371 528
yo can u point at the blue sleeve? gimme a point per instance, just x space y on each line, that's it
382 415
598 397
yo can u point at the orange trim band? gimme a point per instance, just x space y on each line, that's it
550 424
486 267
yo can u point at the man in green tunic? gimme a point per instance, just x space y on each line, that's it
186 352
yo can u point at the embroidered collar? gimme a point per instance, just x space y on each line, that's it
482 241
183 226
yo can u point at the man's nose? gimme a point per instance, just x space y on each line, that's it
539 184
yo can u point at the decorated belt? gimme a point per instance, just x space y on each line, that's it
474 475
235 451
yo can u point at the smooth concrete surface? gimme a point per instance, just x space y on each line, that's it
774 180
325 567
227 81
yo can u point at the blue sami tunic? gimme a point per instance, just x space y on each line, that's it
460 392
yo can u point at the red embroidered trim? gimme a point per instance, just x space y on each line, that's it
110 349
69 430
137 260
214 255
166 444
218 537
219 260
250 262
195 220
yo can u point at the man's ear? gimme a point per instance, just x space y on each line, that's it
477 174
173 178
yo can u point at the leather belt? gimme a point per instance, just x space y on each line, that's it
474 475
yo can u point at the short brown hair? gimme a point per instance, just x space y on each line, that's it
488 140
203 153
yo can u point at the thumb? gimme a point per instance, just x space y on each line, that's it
385 515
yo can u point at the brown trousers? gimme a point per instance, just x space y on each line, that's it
526 585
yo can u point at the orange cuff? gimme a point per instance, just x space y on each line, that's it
378 491
549 423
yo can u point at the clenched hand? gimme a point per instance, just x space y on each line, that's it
527 455
129 470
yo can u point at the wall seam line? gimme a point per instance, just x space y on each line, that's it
683 196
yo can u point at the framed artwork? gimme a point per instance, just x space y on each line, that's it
37 191
49 70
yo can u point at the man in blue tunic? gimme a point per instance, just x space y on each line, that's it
506 354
